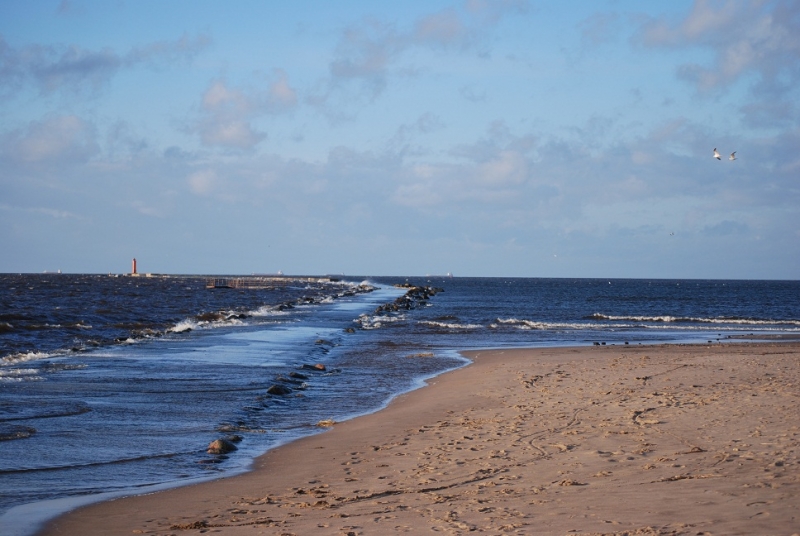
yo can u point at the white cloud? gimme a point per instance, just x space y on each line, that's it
507 168
364 54
281 94
443 28
219 97
50 212
228 113
417 195
148 209
65 138
203 182
226 118
755 36
367 52
747 44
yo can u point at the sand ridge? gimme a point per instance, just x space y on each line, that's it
648 440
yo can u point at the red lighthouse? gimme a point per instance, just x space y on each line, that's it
133 268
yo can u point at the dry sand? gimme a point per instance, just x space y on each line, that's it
600 440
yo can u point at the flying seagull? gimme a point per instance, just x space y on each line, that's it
716 154
732 156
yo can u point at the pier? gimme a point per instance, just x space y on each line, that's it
263 282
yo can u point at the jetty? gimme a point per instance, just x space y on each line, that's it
263 282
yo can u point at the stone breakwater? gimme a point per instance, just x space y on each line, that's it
284 386
295 382
413 298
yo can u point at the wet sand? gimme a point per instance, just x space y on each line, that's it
645 440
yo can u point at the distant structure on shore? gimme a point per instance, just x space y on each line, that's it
264 282
135 271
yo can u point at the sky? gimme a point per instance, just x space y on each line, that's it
500 138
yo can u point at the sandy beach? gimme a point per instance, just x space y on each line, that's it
645 440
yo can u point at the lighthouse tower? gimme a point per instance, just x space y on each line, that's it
133 268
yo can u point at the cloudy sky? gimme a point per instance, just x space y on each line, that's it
479 137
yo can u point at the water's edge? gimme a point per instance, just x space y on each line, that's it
30 519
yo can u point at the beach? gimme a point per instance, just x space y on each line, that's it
613 439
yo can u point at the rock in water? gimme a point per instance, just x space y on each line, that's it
220 446
279 390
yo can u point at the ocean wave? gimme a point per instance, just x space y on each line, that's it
269 310
40 327
114 461
19 375
22 357
377 321
695 320
46 410
449 325
614 324
47 326
126 330
536 325
184 326
229 318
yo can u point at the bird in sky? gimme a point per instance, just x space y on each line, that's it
732 156
716 154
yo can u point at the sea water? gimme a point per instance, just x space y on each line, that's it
116 385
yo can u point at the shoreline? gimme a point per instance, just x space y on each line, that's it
589 440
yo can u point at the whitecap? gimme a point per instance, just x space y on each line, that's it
697 320
377 321
19 375
25 356
268 310
184 326
450 325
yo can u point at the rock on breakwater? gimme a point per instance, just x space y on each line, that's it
413 298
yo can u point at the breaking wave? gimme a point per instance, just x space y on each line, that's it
450 325
695 320
617 323
378 321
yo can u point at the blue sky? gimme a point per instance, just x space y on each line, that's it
483 138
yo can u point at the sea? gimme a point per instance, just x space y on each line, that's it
114 385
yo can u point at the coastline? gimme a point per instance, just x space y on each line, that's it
662 439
